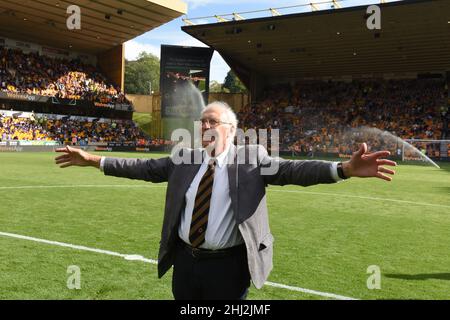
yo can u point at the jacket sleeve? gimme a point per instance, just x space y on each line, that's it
154 170
305 173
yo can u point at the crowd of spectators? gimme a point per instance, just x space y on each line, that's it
313 117
32 73
332 117
73 132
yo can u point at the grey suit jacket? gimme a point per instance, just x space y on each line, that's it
247 193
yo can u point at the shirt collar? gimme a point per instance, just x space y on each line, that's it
221 158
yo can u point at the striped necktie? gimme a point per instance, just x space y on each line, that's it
200 213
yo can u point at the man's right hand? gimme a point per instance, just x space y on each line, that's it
76 157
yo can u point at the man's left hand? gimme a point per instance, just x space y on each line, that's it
367 165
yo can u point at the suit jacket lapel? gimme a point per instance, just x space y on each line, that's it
189 173
180 188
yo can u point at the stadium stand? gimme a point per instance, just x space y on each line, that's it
342 75
32 73
35 74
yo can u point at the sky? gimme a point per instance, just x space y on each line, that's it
171 33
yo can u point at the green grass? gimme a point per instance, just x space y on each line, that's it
323 242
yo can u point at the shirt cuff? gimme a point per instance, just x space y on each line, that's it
102 164
334 172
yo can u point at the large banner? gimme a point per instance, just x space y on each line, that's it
184 80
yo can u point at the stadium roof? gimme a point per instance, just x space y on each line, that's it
415 37
104 23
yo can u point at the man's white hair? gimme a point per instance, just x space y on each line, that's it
227 116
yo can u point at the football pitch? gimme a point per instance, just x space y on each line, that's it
326 236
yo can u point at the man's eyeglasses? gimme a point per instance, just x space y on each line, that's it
212 122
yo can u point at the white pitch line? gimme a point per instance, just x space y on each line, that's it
83 248
313 292
362 197
132 257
